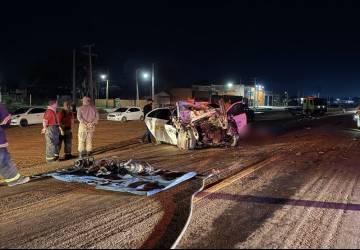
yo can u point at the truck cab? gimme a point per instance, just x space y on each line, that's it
314 106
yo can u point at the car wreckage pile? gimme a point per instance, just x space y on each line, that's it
117 175
203 125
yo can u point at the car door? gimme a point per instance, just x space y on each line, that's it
156 122
138 114
133 114
237 113
36 115
30 116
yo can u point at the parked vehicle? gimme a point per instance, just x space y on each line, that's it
126 114
193 124
27 116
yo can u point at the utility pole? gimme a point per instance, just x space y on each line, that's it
137 88
255 97
153 83
74 77
91 83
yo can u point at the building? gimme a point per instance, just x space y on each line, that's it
205 92
179 94
255 95
162 99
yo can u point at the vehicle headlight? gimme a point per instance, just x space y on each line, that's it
319 107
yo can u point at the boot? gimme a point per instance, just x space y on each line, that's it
21 180
68 157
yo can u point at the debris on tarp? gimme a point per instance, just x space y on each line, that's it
130 176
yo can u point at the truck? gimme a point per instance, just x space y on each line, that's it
310 106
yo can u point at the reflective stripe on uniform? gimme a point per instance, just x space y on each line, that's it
6 120
17 177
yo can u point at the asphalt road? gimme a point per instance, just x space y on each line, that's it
307 197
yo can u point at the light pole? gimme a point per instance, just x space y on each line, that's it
146 76
104 77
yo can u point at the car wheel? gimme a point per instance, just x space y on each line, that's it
124 119
142 118
24 123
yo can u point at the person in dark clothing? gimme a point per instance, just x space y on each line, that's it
66 120
147 109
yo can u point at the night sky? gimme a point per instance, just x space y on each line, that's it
300 46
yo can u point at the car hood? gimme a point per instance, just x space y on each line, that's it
116 113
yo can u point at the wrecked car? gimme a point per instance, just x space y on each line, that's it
192 125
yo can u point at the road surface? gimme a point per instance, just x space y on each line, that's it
306 197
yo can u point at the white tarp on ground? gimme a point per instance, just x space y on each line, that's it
146 184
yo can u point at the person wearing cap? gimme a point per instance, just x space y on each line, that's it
66 120
147 109
51 131
8 169
88 118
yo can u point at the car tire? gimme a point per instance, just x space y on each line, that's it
124 119
24 123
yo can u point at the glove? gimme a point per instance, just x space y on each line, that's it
62 132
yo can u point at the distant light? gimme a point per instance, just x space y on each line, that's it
146 75
230 84
103 77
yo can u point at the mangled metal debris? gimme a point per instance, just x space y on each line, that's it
121 176
198 124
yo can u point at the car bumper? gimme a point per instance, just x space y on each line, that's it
15 123
114 119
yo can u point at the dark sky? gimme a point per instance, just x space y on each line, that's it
307 46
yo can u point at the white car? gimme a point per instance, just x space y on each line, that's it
195 125
126 114
27 116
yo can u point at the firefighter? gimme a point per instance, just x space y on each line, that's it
51 131
66 120
88 118
8 169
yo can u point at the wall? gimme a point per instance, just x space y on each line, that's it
119 103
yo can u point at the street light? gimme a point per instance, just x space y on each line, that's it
145 76
104 78
230 85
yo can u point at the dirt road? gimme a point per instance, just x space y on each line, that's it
307 198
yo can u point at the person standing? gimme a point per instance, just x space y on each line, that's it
88 118
66 120
51 131
147 109
357 115
8 170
